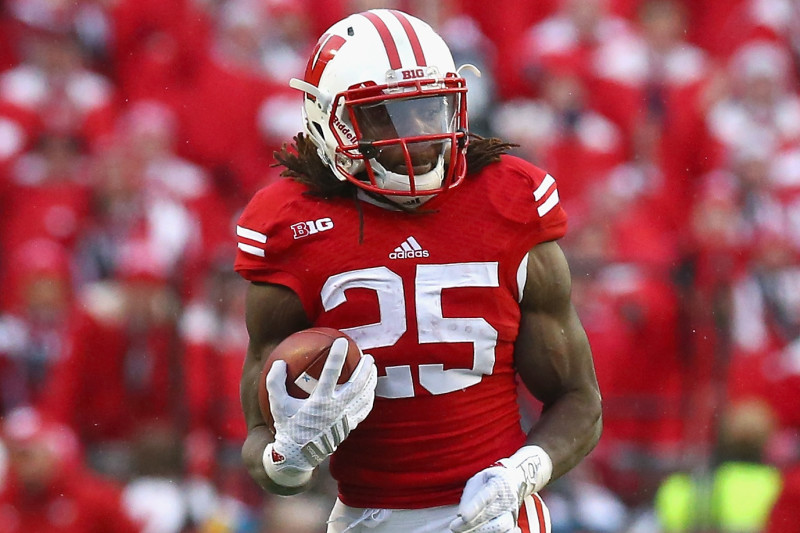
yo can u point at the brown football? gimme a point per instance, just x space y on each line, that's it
305 353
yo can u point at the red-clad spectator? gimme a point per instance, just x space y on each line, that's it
121 366
49 490
215 344
186 215
721 27
624 304
654 84
47 196
640 411
48 193
144 192
762 108
56 92
220 116
504 22
650 71
563 134
157 47
575 31
33 329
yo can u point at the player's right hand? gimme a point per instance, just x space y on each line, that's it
309 430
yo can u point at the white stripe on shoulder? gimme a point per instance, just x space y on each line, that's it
253 250
548 204
541 189
250 234
522 278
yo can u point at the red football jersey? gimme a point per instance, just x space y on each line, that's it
433 296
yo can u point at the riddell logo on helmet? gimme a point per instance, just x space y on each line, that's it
344 129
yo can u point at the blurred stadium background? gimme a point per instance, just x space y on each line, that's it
132 132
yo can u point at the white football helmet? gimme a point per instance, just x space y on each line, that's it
386 107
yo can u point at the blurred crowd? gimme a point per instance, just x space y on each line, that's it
132 132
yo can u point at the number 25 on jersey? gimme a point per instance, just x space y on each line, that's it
432 326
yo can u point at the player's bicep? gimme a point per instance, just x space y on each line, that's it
552 351
272 313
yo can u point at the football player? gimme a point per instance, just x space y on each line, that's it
436 252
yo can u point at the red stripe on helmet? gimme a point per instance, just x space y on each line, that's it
388 40
413 38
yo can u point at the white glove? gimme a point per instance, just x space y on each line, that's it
491 499
309 430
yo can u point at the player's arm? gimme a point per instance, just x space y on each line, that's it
273 312
554 361
307 430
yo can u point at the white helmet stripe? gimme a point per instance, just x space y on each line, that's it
386 37
413 38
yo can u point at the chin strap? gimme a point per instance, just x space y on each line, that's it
400 182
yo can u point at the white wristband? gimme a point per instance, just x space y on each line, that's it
534 465
286 476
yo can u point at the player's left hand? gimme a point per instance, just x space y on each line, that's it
491 499
490 502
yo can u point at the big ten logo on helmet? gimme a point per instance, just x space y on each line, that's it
412 73
311 227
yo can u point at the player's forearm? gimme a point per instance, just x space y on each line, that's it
248 391
569 429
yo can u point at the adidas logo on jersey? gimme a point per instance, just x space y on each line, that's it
409 249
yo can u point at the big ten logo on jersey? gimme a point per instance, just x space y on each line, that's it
311 227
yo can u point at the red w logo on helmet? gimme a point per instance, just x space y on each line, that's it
326 48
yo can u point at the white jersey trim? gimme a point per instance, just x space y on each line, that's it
545 185
250 234
522 277
548 204
253 250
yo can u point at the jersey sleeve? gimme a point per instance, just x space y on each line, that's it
528 210
263 251
530 197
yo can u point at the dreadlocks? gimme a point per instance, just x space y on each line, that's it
302 163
